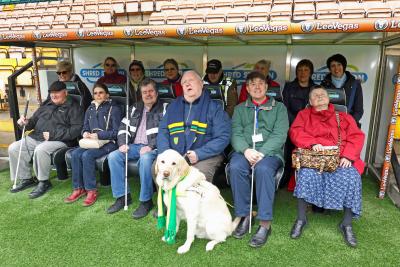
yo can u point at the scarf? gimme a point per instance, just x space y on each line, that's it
339 82
170 227
168 223
178 139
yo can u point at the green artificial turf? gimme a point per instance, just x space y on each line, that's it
47 232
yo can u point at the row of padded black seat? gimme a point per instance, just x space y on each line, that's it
62 157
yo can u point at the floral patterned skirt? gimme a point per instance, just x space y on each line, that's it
335 190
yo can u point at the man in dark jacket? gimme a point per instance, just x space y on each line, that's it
342 79
196 126
142 132
56 124
216 76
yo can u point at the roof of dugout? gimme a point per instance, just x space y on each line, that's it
341 31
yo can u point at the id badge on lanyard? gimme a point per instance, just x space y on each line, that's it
256 137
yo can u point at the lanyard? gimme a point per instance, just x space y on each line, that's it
256 111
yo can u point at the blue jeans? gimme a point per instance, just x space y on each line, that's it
83 164
116 162
264 177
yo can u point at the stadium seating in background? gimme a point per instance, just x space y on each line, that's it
44 15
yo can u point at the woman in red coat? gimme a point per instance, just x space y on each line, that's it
316 128
171 72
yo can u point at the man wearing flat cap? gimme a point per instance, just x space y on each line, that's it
56 124
215 76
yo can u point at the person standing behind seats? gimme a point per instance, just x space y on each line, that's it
111 75
137 74
295 97
102 120
263 66
265 160
316 127
215 76
295 93
56 124
340 78
195 126
171 72
65 74
143 125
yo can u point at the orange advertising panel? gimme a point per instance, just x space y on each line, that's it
192 30
390 137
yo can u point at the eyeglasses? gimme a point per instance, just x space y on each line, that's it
99 93
135 69
62 72
171 69
109 65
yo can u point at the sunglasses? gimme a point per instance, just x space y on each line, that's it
135 69
62 72
109 65
99 93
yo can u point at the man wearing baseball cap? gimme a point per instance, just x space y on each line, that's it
56 124
215 76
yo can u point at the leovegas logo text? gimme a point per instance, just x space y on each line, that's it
267 28
12 36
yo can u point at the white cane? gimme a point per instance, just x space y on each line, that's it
20 146
126 142
252 169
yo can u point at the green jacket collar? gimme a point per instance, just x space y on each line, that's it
267 106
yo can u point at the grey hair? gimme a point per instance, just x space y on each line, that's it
264 62
64 65
147 81
315 87
194 73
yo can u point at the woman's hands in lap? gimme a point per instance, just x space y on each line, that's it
345 163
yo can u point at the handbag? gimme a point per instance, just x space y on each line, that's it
88 143
327 160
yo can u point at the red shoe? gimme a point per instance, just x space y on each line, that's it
76 194
91 198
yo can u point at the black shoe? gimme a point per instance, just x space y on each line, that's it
243 228
23 184
348 235
40 189
297 229
119 204
143 209
260 237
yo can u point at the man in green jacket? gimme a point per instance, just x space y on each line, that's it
259 130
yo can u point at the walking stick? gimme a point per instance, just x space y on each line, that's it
126 143
20 146
252 169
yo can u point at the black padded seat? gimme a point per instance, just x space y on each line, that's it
216 93
275 92
165 92
338 98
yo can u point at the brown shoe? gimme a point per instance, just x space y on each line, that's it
91 198
76 194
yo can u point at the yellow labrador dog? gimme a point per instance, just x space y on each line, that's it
198 201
